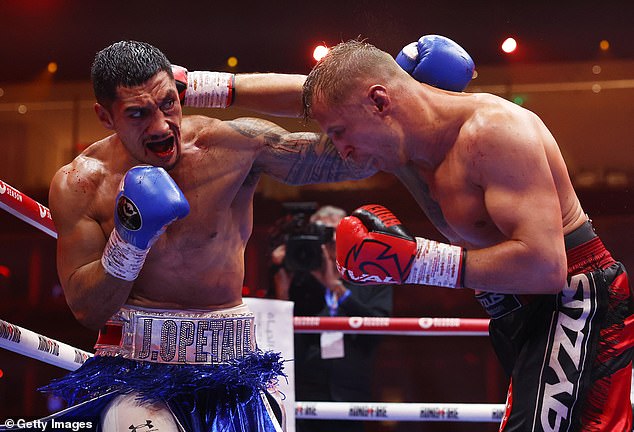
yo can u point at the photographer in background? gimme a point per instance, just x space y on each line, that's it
329 366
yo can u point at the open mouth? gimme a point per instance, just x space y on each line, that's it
162 148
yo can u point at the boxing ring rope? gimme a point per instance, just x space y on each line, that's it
388 411
28 343
27 209
424 326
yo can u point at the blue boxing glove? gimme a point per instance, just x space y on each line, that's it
437 61
148 201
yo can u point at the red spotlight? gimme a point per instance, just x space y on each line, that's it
319 52
5 271
509 45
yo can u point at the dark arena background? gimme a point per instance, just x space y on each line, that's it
573 66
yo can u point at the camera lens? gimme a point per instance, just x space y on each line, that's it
303 252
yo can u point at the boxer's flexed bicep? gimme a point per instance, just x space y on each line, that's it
521 200
80 237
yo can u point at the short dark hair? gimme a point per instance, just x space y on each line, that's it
338 71
125 63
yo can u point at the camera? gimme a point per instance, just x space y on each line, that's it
303 239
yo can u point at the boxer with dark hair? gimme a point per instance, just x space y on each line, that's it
491 178
152 225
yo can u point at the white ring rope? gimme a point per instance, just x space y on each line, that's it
34 345
28 343
381 411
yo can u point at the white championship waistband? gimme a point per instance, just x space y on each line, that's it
178 336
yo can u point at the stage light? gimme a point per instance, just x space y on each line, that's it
232 61
22 109
604 45
509 45
51 67
1 373
518 100
319 52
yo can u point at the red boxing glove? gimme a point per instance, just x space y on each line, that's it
180 76
374 248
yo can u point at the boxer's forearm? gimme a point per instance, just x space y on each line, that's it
266 93
270 93
513 267
94 296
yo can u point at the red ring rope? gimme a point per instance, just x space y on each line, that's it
27 209
396 326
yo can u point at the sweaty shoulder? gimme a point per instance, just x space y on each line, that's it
498 133
77 185
199 129
85 172
242 133
492 120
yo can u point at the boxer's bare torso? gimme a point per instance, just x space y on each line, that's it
486 172
453 192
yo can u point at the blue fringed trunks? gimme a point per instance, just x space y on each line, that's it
203 365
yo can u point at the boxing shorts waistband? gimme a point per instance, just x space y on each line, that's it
580 235
178 336
584 250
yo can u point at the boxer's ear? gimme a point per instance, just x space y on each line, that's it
379 97
104 116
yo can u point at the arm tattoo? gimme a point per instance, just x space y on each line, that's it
420 191
431 209
300 157
315 160
252 127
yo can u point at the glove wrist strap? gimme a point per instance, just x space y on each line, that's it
436 264
209 89
122 259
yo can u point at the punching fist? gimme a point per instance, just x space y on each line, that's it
148 201
437 61
180 76
374 248
202 89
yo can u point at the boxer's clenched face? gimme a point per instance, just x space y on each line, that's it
359 134
147 119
